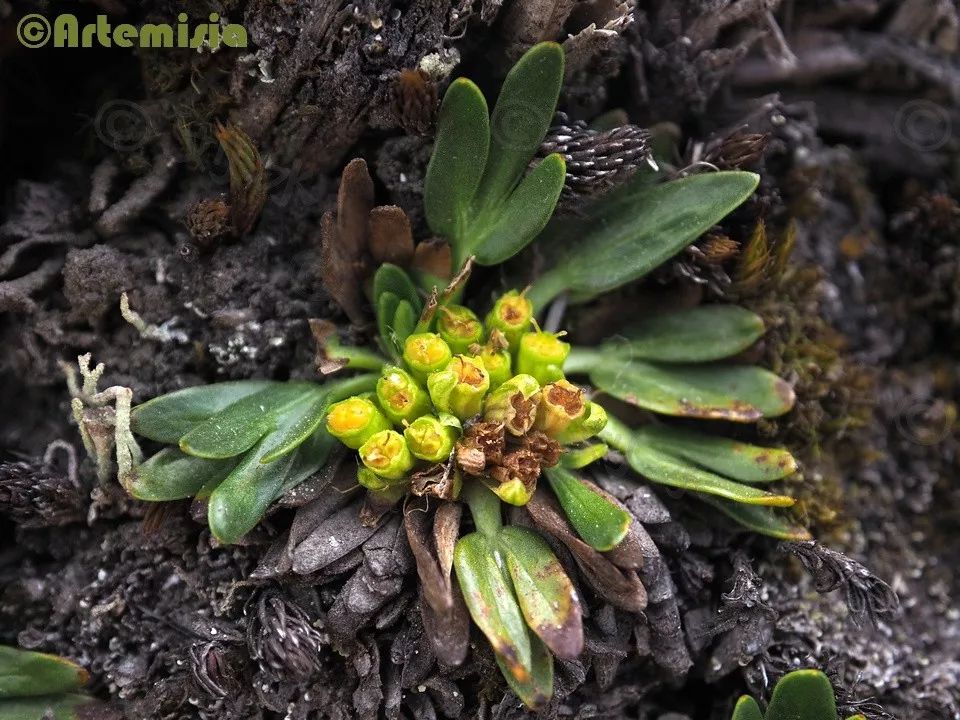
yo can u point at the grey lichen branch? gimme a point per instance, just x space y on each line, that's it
103 428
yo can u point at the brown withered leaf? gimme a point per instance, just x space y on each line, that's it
323 331
432 257
344 242
415 100
441 480
248 177
445 616
391 239
621 588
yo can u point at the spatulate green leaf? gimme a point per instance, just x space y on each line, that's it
546 596
525 213
758 519
635 229
169 417
65 706
701 334
239 426
521 116
492 603
387 304
24 673
739 393
459 156
736 460
805 694
600 523
746 709
654 464
304 420
392 279
404 322
173 475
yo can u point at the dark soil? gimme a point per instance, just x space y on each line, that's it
104 152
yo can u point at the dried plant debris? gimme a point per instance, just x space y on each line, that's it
37 494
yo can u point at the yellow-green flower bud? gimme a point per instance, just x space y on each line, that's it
495 357
511 315
588 425
459 327
387 454
425 353
542 354
459 388
561 404
370 480
354 420
430 439
400 396
514 404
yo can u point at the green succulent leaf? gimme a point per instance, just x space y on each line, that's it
521 116
459 156
392 279
171 474
700 334
739 393
577 458
387 304
492 603
240 425
525 212
802 695
759 519
655 464
600 523
546 596
404 323
169 417
534 688
24 673
64 706
746 709
303 420
736 460
633 230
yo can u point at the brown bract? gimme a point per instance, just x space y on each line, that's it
248 177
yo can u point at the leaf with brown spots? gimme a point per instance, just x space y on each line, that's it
739 393
248 177
621 588
547 597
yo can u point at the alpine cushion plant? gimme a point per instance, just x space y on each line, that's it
469 406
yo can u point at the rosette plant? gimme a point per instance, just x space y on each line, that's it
458 404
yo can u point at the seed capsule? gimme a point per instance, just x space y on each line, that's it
459 388
370 480
354 420
400 396
495 356
542 354
387 454
511 315
459 327
514 404
430 439
585 427
425 353
517 477
561 404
